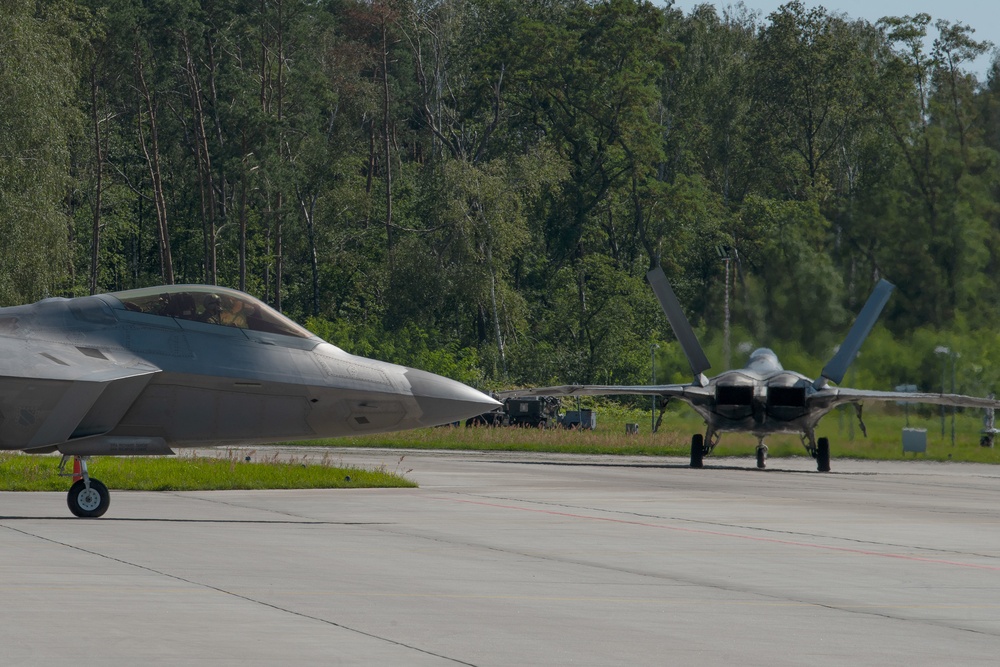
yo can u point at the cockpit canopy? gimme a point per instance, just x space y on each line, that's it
764 361
212 305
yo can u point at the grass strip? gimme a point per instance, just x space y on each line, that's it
883 441
25 472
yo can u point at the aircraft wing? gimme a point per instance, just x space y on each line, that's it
680 391
49 405
833 397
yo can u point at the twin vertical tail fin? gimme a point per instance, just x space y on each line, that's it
834 370
837 366
679 323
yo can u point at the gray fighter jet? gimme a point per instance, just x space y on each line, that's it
144 371
763 398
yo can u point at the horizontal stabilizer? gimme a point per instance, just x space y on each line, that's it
837 366
678 322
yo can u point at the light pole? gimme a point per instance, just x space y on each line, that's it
725 329
947 355
652 415
942 350
954 358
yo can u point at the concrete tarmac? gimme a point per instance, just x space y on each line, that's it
520 559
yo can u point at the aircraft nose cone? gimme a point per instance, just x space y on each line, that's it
443 401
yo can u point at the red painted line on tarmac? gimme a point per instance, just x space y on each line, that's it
717 533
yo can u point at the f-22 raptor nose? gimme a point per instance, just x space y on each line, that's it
443 401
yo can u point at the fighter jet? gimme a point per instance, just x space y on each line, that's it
763 398
145 371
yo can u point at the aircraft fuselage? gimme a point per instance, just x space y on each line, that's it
97 375
761 399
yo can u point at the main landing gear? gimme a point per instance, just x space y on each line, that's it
701 446
697 450
819 448
823 455
87 497
821 451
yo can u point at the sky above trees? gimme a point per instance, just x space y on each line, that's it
983 17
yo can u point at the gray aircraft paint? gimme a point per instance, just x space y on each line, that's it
88 376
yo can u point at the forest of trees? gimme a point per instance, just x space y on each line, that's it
478 187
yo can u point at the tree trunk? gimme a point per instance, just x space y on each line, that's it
206 182
496 312
243 216
279 265
308 206
95 237
387 143
152 155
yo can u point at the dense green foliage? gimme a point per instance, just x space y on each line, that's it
478 187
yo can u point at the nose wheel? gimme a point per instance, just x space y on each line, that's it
88 501
87 498
761 456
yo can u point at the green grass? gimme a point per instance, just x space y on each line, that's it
884 440
24 472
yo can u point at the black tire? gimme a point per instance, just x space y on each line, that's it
90 503
761 457
823 455
697 450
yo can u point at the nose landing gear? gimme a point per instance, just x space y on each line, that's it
87 498
761 454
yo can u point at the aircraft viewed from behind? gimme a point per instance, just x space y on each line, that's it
144 371
763 398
